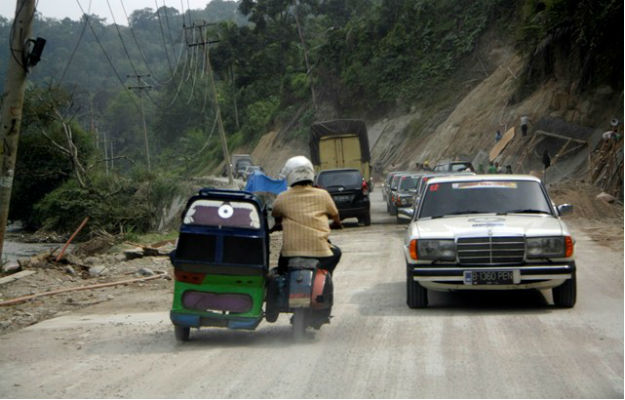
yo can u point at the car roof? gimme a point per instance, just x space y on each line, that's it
339 170
399 172
409 174
483 177
453 162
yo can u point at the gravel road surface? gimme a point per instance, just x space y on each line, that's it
503 345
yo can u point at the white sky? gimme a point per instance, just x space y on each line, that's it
69 8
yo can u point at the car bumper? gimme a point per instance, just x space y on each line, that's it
524 276
356 209
196 320
405 212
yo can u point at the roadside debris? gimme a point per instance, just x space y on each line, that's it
73 289
16 276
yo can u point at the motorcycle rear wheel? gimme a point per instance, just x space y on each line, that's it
300 322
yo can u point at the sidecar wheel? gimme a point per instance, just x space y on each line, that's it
182 333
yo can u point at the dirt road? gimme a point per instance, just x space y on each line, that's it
463 345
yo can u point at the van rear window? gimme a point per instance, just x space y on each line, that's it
216 213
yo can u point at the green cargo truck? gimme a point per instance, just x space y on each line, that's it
341 143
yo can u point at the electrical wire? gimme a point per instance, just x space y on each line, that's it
121 81
180 82
160 23
134 36
121 39
171 40
71 57
193 51
182 13
176 67
205 100
195 74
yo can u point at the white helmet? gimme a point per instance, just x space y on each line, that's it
298 169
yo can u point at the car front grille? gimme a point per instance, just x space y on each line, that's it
491 250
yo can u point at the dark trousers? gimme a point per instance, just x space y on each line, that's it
327 263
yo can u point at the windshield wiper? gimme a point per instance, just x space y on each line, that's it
458 213
466 212
525 211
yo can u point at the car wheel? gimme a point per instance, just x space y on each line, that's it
565 295
182 333
416 295
366 219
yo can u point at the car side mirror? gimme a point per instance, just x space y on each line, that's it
565 209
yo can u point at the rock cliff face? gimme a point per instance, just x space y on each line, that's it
463 124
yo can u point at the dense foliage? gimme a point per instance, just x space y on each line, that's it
574 38
275 63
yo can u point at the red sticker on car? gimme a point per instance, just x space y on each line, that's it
434 187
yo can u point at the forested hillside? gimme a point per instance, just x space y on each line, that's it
278 65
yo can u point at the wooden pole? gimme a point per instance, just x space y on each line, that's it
12 102
82 225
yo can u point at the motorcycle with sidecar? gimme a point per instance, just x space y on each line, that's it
221 270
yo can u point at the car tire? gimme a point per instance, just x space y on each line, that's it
182 333
366 219
416 295
565 295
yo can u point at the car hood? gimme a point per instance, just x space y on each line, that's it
488 225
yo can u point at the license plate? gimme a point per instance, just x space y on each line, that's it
489 277
343 198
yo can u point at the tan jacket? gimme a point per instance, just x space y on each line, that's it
305 211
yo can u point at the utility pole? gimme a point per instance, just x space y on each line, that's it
140 87
22 56
204 42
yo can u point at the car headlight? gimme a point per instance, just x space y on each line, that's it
546 247
436 249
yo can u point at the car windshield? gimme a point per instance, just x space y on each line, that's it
339 178
395 182
474 197
407 183
460 166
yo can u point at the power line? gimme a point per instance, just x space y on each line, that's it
182 13
171 40
160 23
152 76
181 81
121 39
101 46
71 57
132 32
140 87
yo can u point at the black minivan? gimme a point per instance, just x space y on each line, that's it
350 192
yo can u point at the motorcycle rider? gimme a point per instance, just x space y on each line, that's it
302 212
